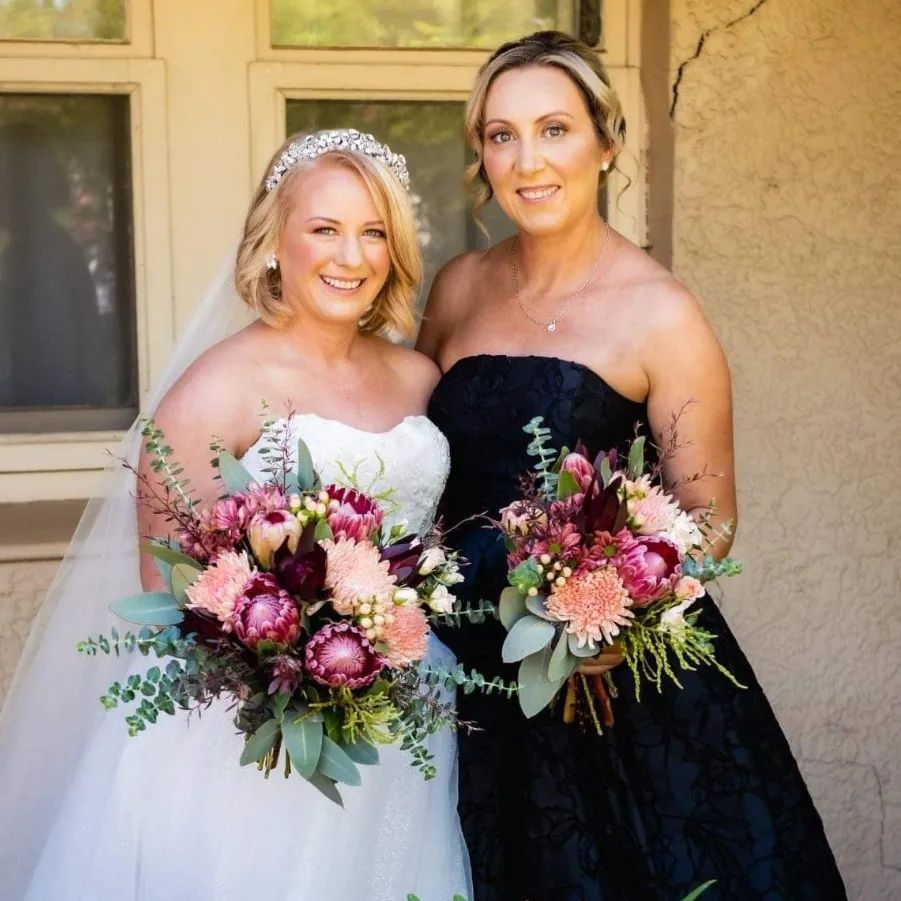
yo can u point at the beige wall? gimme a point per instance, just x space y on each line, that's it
787 217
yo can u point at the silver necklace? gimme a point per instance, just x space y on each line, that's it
550 325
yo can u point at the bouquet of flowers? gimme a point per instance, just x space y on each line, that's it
600 554
295 600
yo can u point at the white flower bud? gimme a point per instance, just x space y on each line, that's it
431 559
379 619
365 609
533 592
545 559
366 622
559 581
405 596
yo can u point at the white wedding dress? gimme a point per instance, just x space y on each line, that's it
173 817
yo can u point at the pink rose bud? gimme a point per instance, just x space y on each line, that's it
267 532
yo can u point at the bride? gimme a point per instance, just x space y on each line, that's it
328 263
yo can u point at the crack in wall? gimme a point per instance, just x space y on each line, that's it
701 41
870 768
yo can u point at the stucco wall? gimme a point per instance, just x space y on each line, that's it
787 217
22 588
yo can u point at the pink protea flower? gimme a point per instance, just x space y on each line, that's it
356 573
352 514
649 566
406 636
579 468
219 587
521 517
651 510
594 605
339 654
267 532
265 611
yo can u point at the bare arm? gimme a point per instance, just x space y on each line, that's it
202 404
689 379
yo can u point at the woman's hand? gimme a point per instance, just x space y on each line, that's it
605 661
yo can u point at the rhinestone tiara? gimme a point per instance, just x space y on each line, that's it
322 142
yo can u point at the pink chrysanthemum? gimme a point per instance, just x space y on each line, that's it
356 573
593 605
406 636
219 587
651 510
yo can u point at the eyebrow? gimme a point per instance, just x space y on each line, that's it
555 114
337 222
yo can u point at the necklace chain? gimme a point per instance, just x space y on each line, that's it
550 325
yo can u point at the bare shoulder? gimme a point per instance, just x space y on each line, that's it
215 393
417 373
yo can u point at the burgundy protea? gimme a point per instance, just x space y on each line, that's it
339 654
352 514
579 468
649 565
403 559
303 571
265 611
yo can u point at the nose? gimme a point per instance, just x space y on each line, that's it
529 160
349 252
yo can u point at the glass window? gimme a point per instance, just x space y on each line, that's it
67 311
413 23
429 135
62 20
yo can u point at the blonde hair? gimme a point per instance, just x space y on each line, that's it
261 288
544 48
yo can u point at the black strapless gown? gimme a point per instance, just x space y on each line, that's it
689 785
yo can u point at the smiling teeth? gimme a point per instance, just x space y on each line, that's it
538 195
340 283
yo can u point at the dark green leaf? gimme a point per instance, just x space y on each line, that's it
327 787
260 743
303 740
335 763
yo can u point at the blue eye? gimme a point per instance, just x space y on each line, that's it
556 130
375 233
500 137
324 230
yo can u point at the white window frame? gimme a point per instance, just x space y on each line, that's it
67 465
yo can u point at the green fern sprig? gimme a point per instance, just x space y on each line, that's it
163 464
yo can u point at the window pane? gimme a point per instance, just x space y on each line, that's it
414 23
62 20
67 317
428 134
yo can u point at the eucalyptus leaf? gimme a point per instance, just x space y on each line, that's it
363 753
589 649
336 764
306 475
260 743
168 555
323 531
303 740
511 607
562 663
164 569
567 486
527 636
327 787
535 689
180 578
234 475
536 605
152 608
636 458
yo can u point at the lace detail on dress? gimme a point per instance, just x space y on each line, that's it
409 462
691 784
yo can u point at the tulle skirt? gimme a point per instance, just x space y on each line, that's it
170 815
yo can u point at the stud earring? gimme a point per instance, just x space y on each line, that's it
605 165
272 262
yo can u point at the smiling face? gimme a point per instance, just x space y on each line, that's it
333 255
540 149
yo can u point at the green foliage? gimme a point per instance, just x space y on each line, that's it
527 636
163 465
696 893
525 576
475 614
536 690
538 447
151 608
709 568
636 458
511 607
234 476
303 736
